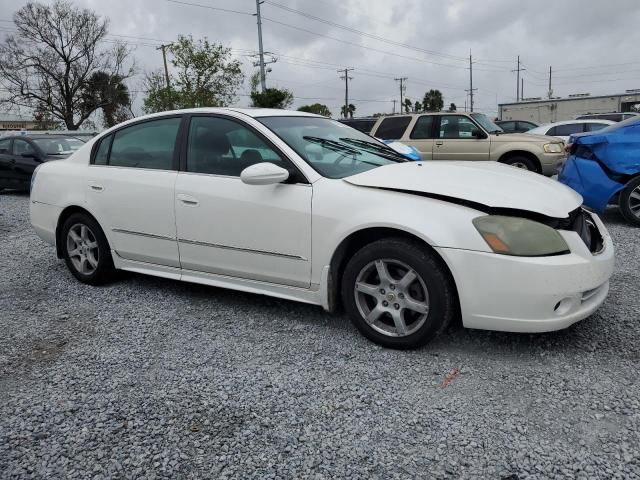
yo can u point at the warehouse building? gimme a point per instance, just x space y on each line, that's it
9 122
557 109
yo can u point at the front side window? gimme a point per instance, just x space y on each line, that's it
22 146
393 128
218 146
331 148
145 145
456 126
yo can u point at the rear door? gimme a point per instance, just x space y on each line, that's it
455 140
130 188
422 135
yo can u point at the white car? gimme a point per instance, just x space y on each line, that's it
565 129
302 207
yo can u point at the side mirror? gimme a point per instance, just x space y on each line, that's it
477 133
264 173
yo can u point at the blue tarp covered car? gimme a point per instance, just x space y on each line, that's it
604 167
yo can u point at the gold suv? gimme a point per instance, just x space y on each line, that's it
471 136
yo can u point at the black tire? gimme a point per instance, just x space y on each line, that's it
103 270
519 161
630 201
440 293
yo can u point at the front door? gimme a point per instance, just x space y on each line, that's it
25 160
455 140
130 189
226 227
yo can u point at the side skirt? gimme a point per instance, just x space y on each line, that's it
313 296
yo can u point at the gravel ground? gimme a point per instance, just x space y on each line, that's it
152 378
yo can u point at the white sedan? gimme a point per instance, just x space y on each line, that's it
301 207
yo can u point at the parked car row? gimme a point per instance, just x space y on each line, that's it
298 206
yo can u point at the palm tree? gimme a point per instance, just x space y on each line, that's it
349 111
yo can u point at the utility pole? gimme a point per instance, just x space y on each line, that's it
519 69
550 90
394 105
403 87
263 81
522 89
346 79
166 70
471 89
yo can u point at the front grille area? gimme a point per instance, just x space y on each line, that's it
581 222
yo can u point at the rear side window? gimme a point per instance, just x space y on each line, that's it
145 145
102 154
593 127
423 128
392 128
566 130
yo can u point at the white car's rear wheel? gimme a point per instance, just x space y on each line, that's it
397 293
85 249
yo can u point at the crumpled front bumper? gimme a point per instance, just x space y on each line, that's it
531 294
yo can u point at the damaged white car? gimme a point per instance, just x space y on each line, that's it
301 207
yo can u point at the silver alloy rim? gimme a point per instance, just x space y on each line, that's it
519 165
391 297
82 248
634 201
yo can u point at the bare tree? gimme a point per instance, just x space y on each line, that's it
47 65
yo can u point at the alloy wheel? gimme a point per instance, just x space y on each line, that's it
391 297
82 248
634 201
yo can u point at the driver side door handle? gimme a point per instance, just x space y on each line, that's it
188 200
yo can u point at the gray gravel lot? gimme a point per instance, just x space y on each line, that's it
148 378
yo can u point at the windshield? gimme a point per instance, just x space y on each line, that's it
58 145
333 149
485 123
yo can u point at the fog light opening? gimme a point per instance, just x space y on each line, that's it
564 306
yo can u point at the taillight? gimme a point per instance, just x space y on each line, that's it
569 148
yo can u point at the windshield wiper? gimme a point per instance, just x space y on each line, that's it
333 145
384 151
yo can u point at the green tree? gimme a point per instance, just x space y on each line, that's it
433 101
452 107
111 95
204 75
408 105
46 66
272 98
348 111
417 107
317 108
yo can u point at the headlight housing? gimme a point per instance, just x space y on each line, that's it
519 236
553 147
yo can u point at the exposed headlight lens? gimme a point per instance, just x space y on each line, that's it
553 147
519 236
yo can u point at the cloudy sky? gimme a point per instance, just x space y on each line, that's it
592 46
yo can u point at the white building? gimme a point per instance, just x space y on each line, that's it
557 109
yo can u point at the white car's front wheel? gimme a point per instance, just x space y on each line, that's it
397 293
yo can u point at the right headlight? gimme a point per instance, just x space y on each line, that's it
519 236
553 147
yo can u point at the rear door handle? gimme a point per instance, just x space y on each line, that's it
187 199
439 144
95 187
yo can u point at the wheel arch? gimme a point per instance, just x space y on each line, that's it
521 153
66 213
359 239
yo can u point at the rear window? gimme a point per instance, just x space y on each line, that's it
392 128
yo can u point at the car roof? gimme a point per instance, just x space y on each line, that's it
38 137
250 112
571 122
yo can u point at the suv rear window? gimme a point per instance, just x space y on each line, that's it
392 128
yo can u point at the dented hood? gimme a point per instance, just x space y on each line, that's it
485 183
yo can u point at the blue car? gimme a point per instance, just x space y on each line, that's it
604 167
